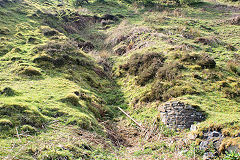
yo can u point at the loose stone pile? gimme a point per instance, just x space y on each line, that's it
176 114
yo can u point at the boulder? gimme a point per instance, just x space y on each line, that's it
208 155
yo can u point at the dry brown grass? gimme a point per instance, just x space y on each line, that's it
133 36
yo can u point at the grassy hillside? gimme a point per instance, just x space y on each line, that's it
49 87
65 69
199 58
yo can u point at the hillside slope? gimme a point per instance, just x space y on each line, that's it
65 70
50 88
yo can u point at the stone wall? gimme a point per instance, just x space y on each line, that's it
176 114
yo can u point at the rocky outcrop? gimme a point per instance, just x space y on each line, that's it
176 114
213 138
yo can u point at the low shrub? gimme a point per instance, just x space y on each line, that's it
234 66
203 60
206 61
146 75
150 3
212 75
211 41
158 90
54 112
178 91
144 66
164 91
191 58
43 58
32 40
231 92
120 49
60 53
169 71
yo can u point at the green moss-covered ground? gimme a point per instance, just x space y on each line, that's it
56 95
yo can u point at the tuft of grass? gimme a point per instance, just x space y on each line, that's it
72 99
234 66
28 129
59 154
4 31
30 71
48 31
5 123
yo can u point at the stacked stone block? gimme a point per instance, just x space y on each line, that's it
176 114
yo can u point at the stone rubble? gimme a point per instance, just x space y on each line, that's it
176 114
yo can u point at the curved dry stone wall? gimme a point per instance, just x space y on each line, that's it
176 114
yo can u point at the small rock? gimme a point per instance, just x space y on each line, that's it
203 145
215 134
192 136
208 155
183 152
